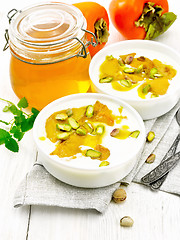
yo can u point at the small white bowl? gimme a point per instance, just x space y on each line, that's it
83 171
147 108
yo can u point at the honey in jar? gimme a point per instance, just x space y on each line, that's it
49 56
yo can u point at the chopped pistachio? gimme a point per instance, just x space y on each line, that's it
126 221
142 59
109 57
89 111
129 59
63 135
150 136
119 195
126 83
158 75
104 163
152 72
99 130
140 68
130 79
146 88
74 124
64 127
106 80
133 81
89 127
153 95
81 131
69 112
121 61
115 132
93 153
128 70
61 116
151 158
134 134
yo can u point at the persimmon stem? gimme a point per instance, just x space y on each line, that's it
101 31
153 21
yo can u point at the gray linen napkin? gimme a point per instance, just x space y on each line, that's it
40 188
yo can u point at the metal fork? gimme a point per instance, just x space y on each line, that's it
158 175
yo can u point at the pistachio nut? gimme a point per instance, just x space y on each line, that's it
126 83
104 163
153 95
150 136
152 72
146 88
106 80
126 221
61 116
140 68
115 132
134 134
129 59
69 112
121 61
119 195
81 131
128 70
142 59
151 158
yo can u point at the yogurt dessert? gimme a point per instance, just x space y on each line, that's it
90 134
143 73
144 77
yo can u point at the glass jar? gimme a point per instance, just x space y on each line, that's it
49 56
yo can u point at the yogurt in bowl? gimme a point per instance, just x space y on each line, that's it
149 105
89 157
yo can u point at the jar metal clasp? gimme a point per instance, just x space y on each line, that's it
10 15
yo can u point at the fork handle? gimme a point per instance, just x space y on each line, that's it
162 169
156 185
172 149
151 176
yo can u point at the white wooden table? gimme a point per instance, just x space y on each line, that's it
156 215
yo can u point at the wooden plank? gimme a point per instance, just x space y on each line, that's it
156 216
13 166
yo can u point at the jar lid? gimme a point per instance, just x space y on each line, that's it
47 24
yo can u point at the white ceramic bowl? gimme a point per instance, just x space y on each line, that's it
83 171
147 108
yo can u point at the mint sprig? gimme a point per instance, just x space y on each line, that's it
16 128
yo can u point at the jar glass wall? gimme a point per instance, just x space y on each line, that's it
47 61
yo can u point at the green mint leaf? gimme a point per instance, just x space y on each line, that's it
23 103
14 110
35 111
17 133
4 135
11 144
27 124
19 119
14 129
20 124
6 109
